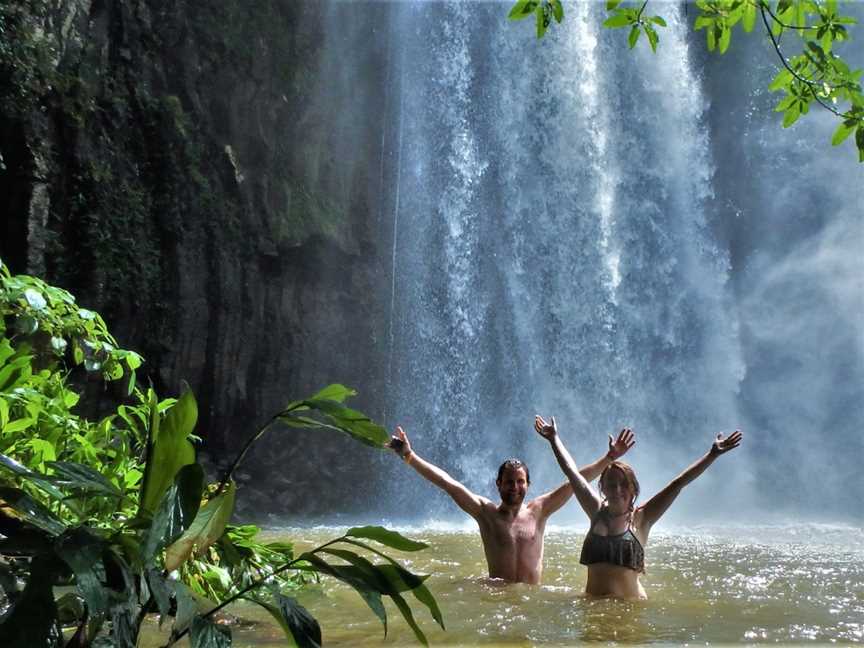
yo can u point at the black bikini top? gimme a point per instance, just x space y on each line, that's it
623 549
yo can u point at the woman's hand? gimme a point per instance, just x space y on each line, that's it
619 447
399 443
547 430
722 445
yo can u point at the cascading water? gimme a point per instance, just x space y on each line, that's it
612 236
553 254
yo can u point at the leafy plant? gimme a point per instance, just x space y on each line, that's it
120 508
815 75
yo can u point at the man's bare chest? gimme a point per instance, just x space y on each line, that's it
517 533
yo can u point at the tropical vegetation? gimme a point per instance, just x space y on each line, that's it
106 518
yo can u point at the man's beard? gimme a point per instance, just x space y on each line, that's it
512 498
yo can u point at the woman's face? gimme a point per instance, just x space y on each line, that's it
618 490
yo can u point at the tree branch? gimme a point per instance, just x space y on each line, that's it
810 84
780 22
246 446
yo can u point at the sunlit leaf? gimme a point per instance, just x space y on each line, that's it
206 528
843 131
170 451
386 537
78 476
35 299
19 504
617 21
633 36
176 510
522 9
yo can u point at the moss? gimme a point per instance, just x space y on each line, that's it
308 215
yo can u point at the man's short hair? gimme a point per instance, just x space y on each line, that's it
515 464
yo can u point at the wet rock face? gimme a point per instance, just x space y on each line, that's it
163 162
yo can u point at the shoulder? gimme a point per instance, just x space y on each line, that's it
487 506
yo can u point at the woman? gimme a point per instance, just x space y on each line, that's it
614 546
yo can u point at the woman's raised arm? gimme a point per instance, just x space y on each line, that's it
654 508
581 489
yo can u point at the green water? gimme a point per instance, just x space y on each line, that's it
745 585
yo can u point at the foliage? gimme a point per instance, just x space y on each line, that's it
120 508
543 12
817 74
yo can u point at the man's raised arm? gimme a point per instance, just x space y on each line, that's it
469 502
554 500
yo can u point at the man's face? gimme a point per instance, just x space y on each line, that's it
512 486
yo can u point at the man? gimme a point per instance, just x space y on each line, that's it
512 532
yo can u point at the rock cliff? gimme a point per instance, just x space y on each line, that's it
164 161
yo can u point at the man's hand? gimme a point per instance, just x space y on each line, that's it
722 445
547 430
399 443
619 447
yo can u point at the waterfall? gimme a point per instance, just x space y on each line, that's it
554 255
578 229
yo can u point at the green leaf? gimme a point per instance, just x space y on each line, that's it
351 422
391 539
620 19
301 626
405 610
749 19
82 551
791 116
522 9
611 4
204 633
26 324
396 574
711 36
206 528
367 587
657 20
35 299
334 392
843 131
652 37
784 77
162 589
176 511
171 449
557 10
859 142
187 606
702 22
29 510
634 36
785 103
42 481
542 21
77 353
725 39
14 371
18 425
80 477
